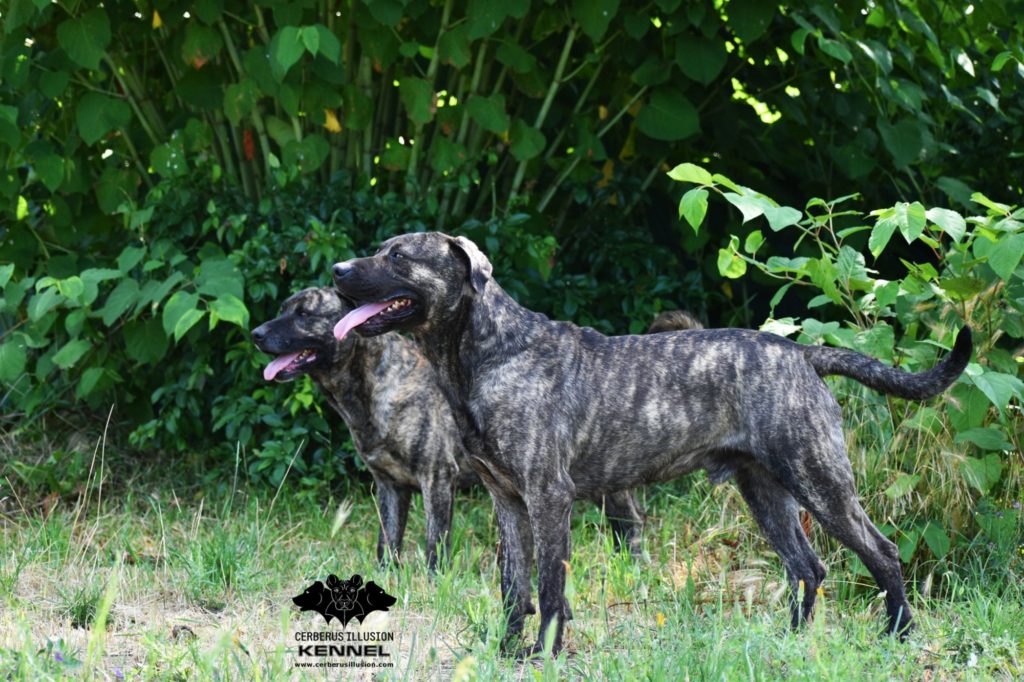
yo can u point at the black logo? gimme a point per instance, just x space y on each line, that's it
344 599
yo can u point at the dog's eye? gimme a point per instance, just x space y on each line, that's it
300 312
396 256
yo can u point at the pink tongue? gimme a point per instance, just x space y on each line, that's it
277 365
357 317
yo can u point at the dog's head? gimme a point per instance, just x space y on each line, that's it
301 335
377 598
413 282
313 599
344 592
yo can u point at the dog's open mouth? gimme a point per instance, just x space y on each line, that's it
285 367
377 316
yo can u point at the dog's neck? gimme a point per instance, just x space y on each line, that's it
344 380
485 329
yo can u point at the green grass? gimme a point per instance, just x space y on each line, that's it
199 587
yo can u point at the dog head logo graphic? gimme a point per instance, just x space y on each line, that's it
344 599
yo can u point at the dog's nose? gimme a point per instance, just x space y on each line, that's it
342 270
259 334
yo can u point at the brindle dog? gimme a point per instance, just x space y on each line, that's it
400 422
549 412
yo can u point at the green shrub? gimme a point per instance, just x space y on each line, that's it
954 464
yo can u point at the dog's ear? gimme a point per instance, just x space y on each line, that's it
479 267
356 581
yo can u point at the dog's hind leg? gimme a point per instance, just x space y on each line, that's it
777 515
515 559
822 480
626 520
393 501
438 498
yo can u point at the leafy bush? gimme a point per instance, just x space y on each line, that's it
941 460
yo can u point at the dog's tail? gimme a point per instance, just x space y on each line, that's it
674 321
881 377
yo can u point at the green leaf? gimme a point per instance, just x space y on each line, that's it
730 264
781 216
418 99
330 46
594 16
753 242
749 19
42 303
936 539
750 206
309 154
87 382
13 357
527 141
699 58
983 473
130 257
53 83
310 38
219 276
688 172
484 17
231 309
124 295
176 307
798 40
240 99
168 160
668 116
387 12
694 206
911 220
881 233
85 38
446 155
834 49
5 274
286 48
98 114
50 169
186 322
950 222
904 140
115 187
70 353
202 44
986 438
1000 61
516 58
980 198
1005 258
145 342
453 47
999 388
489 113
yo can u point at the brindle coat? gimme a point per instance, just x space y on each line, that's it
550 412
401 425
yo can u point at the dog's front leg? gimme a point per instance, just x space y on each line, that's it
515 559
438 497
393 501
550 508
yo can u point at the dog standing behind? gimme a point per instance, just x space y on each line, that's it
400 422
